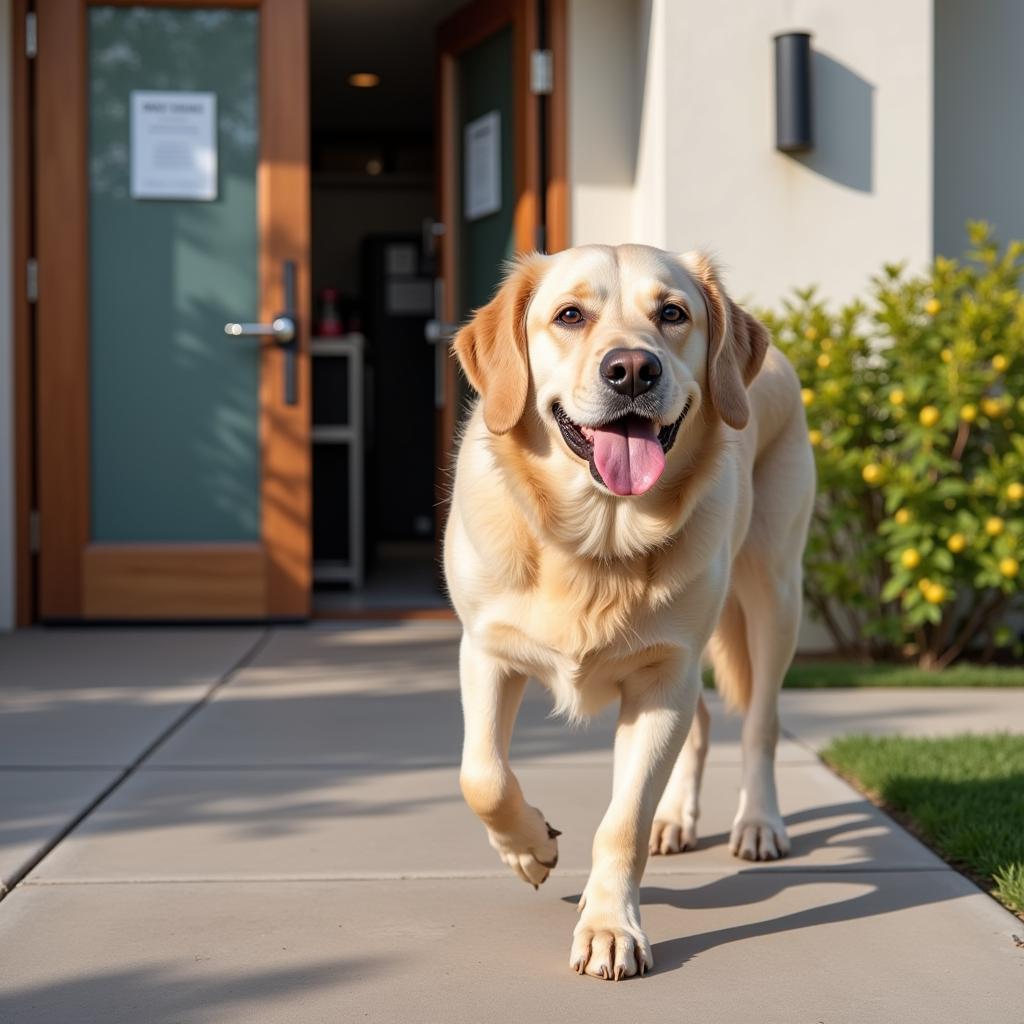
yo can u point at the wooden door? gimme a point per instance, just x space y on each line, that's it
171 197
485 89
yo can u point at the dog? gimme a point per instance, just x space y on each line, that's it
632 490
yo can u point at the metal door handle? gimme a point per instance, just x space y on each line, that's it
437 330
284 329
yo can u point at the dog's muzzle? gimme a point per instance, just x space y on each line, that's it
626 454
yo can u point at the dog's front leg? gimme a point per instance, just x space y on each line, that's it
608 941
491 695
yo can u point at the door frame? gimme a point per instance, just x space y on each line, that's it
466 28
60 583
22 379
556 187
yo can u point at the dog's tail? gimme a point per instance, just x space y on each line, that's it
730 656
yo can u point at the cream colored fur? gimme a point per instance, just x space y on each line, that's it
605 598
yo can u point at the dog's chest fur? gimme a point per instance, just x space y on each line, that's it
579 626
582 625
582 591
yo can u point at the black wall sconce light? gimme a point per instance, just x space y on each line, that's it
793 129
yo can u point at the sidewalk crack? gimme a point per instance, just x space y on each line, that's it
218 684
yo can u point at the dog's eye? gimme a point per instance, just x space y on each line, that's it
570 316
673 313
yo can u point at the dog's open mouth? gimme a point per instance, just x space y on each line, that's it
627 455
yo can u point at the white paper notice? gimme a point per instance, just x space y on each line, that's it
482 171
174 145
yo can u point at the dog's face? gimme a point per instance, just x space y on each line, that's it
614 348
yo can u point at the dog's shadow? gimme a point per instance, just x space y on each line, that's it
887 890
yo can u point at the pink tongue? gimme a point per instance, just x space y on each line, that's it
628 455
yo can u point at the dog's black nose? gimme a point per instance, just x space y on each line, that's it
631 371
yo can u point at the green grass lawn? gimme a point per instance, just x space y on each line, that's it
824 675
827 674
962 795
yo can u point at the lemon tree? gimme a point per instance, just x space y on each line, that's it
915 404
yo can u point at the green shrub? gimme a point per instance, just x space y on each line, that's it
915 403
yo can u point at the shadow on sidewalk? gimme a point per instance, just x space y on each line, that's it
892 892
170 993
888 890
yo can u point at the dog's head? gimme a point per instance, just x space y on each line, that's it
612 349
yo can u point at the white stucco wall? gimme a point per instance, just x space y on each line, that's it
6 332
672 140
979 120
603 130
705 170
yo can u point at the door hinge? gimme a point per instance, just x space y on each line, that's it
33 532
32 279
31 35
542 74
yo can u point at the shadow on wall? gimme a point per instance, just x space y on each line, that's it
844 123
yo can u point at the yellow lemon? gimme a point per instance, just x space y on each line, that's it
932 306
923 584
826 344
902 517
1009 567
935 594
956 543
992 406
897 397
911 558
807 396
946 355
815 437
824 361
994 526
872 474
811 333
929 416
968 413
1000 363
1015 491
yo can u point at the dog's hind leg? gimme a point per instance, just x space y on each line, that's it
491 696
767 581
675 820
773 617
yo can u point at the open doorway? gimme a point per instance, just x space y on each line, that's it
373 162
437 152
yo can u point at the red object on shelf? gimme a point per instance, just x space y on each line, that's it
329 318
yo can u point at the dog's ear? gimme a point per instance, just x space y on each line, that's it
737 343
492 348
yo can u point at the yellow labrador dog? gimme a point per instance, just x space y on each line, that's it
632 488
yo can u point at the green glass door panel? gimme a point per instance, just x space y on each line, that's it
174 441
485 85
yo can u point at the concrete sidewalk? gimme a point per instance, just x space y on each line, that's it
283 839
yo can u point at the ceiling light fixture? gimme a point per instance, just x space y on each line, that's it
364 80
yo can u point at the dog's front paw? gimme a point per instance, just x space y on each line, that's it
673 836
609 947
532 851
759 838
